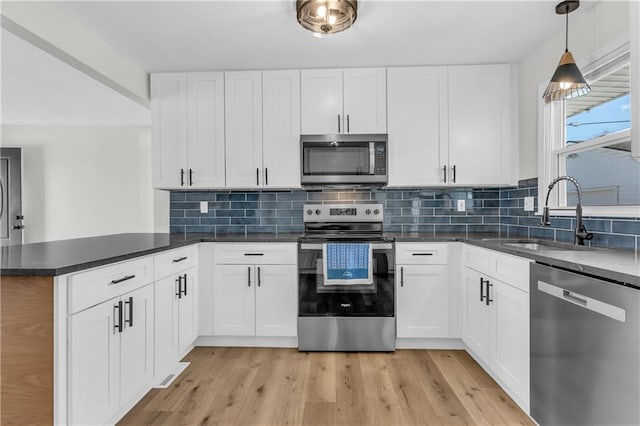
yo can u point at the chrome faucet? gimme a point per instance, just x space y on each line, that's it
580 233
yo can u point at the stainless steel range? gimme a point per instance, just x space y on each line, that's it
346 294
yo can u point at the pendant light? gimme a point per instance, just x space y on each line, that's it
326 16
567 82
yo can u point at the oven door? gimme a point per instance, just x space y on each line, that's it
367 300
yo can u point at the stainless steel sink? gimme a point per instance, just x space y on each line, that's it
543 245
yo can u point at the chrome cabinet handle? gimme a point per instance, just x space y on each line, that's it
445 173
249 276
123 279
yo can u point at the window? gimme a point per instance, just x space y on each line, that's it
589 138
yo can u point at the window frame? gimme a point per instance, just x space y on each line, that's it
552 136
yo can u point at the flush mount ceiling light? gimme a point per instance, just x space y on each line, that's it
567 82
326 16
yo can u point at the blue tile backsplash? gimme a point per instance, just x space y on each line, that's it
488 210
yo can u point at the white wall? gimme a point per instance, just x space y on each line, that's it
81 181
606 22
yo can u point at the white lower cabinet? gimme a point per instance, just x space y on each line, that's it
255 299
176 318
496 317
422 288
110 356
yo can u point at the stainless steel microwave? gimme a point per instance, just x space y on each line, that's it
343 159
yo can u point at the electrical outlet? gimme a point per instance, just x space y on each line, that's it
528 204
204 207
461 205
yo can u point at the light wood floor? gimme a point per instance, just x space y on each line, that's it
263 386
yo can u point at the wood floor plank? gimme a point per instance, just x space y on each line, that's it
264 386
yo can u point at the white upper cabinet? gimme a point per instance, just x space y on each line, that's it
169 129
243 118
281 129
418 125
344 101
480 125
206 129
187 125
365 100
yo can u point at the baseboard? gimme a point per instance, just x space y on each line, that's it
248 341
420 343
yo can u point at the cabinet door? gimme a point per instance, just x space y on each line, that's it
166 326
188 310
136 368
476 325
243 129
322 101
205 130
480 136
423 300
365 100
276 300
281 128
511 337
169 129
233 300
94 352
418 125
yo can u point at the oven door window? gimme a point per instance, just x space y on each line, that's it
318 299
324 159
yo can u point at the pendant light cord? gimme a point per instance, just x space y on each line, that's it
566 30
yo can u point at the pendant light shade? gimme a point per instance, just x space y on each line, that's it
326 16
567 81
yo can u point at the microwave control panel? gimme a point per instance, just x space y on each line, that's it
380 165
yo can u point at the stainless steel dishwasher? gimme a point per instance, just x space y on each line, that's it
585 349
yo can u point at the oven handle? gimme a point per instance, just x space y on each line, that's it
380 246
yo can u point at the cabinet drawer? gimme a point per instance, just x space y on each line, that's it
255 253
421 254
97 285
510 269
477 258
173 261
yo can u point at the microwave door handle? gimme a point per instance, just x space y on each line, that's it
372 158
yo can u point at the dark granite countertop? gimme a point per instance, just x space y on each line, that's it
65 256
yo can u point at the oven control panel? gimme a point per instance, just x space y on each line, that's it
343 213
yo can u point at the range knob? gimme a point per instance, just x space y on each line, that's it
318 211
367 211
376 211
309 211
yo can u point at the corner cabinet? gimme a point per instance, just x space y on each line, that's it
456 122
496 317
352 100
187 130
255 289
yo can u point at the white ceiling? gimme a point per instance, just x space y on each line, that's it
243 34
248 34
39 89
